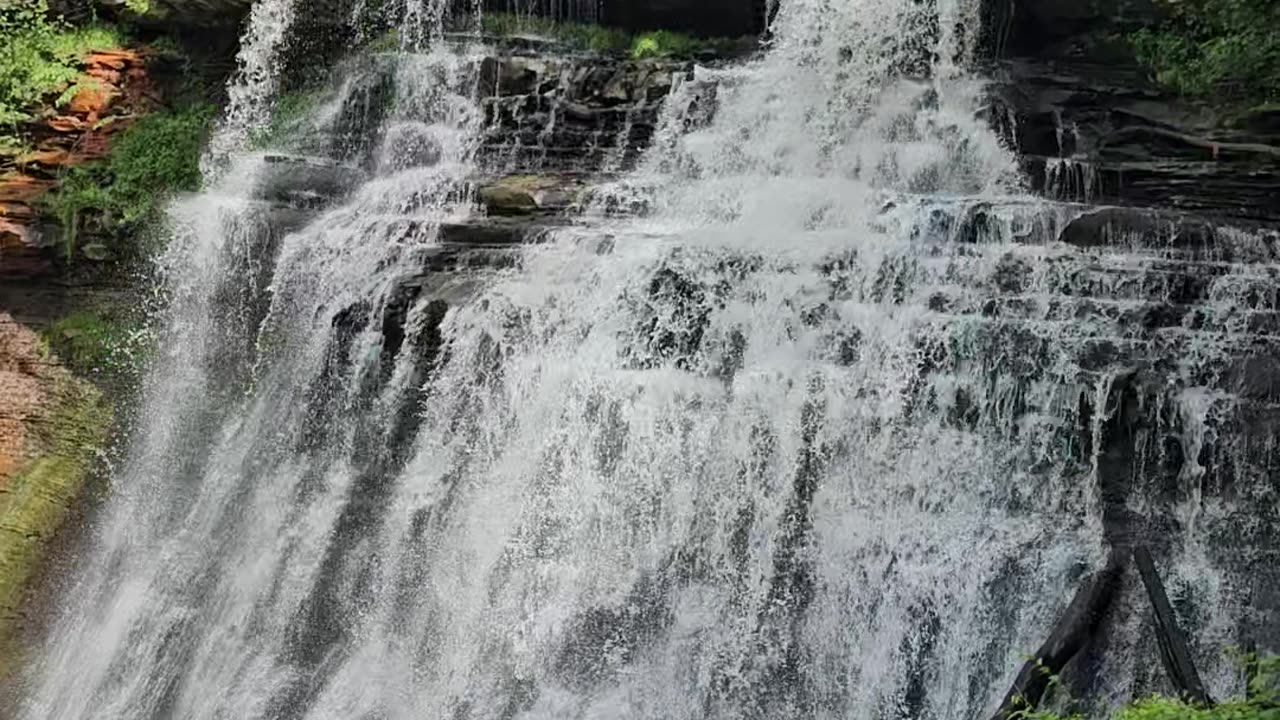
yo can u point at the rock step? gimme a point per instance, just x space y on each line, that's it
1123 315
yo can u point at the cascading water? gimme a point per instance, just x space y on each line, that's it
768 451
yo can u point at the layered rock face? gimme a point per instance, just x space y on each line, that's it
1090 126
1173 209
114 90
711 18
51 425
567 114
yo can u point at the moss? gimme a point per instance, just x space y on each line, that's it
35 502
99 342
290 116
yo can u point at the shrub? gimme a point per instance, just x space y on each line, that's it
149 161
1227 47
39 56
1262 702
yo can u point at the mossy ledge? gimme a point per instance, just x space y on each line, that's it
54 425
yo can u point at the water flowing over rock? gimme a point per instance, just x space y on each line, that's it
808 410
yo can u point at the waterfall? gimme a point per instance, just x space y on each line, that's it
811 438
250 94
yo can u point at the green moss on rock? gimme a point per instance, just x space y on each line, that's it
65 435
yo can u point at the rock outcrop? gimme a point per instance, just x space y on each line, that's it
572 113
708 18
114 89
51 426
1091 126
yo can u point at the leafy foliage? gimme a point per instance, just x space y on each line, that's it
155 157
1262 701
39 56
1226 47
599 39
580 36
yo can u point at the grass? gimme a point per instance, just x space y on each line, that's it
588 37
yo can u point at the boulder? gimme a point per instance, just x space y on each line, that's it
517 195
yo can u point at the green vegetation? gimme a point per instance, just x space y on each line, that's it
39 56
119 194
1262 701
579 36
36 500
589 37
100 342
1227 48
290 116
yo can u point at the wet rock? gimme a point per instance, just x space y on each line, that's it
512 75
50 427
1089 125
305 181
572 113
493 232
410 145
517 195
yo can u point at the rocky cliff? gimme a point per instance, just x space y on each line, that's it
1091 126
51 426
114 90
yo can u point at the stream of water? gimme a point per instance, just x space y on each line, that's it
755 454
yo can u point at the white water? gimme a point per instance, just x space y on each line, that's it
250 93
757 454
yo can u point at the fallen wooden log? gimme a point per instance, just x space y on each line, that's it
1077 626
1173 646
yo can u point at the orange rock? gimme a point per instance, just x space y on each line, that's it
92 99
12 234
45 158
16 211
67 124
114 59
105 75
22 188
22 393
92 145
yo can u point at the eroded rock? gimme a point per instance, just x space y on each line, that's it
113 91
51 425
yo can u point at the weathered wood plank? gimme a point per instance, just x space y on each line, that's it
1173 646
